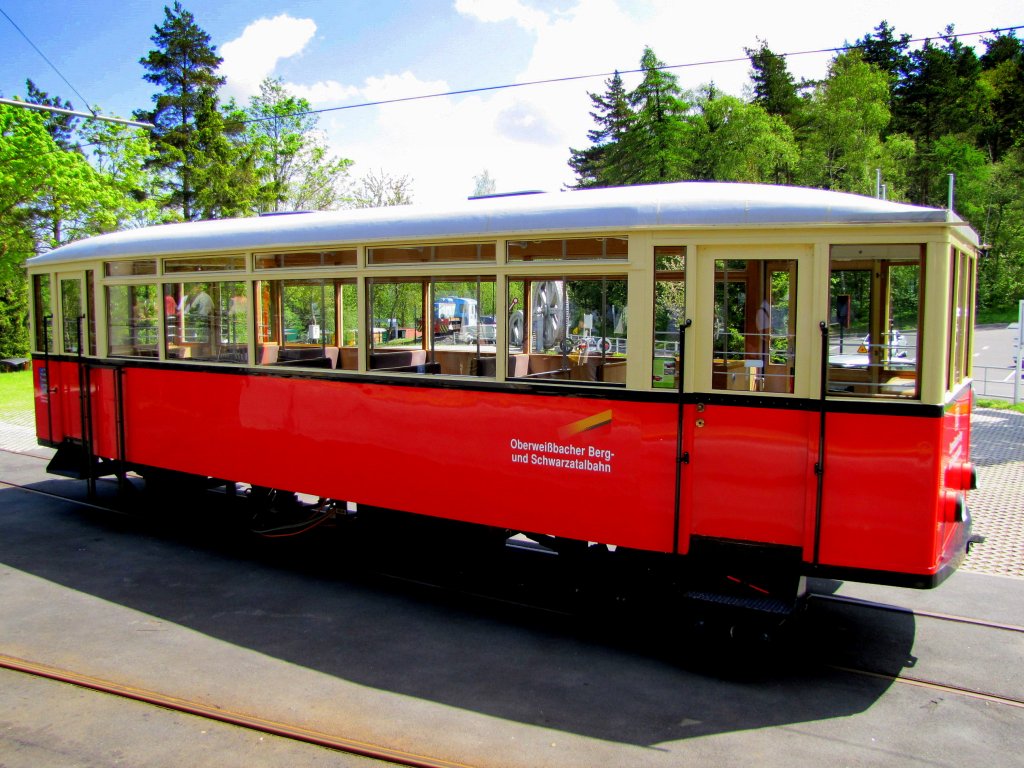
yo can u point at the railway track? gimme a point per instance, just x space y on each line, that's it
842 599
903 678
221 715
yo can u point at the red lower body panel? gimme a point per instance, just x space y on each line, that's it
581 467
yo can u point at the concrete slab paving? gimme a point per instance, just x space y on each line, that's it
48 724
288 635
198 615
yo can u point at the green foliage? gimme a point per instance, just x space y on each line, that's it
737 141
199 172
653 146
914 116
293 167
843 122
611 115
1003 79
774 88
13 316
380 190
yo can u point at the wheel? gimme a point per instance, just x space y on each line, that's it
515 328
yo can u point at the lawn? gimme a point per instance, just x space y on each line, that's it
1002 405
15 392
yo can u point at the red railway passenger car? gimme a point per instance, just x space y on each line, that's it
759 383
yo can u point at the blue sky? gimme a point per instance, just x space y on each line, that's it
352 51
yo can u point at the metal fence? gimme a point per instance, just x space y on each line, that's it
996 382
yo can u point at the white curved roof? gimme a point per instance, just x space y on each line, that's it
613 209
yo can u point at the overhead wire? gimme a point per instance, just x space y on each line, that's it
52 65
571 78
551 80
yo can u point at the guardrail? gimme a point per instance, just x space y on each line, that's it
990 381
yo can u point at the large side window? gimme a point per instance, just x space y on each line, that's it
669 313
207 321
133 321
568 328
875 313
430 326
464 326
311 322
961 320
755 325
72 315
43 313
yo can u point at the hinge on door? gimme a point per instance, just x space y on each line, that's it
685 458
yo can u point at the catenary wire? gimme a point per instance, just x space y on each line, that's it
553 80
52 65
572 78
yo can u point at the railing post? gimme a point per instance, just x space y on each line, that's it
1019 367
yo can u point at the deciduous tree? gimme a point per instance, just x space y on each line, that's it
293 165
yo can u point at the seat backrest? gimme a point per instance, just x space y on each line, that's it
518 366
400 358
268 354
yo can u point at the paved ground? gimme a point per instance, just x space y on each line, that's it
997 448
287 633
282 636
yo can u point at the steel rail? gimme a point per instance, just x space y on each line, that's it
991 698
230 717
915 612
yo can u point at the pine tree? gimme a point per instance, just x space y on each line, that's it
184 64
60 127
653 147
611 115
942 95
941 92
774 87
1002 67
885 51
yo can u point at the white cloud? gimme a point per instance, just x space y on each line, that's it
522 135
252 57
401 86
322 92
490 11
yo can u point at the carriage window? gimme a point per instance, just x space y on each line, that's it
223 263
420 325
464 326
427 254
207 321
129 268
569 249
755 325
345 257
874 317
43 312
669 312
72 315
90 309
298 323
569 328
962 320
133 321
